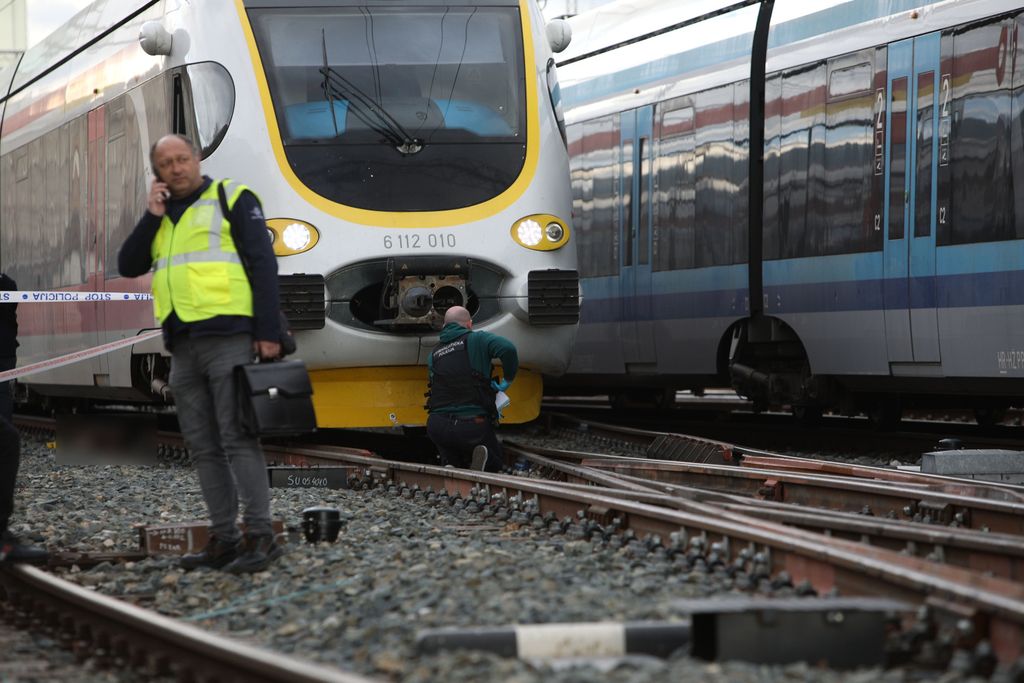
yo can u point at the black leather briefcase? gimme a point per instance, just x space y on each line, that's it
275 399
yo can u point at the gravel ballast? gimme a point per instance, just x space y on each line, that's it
401 564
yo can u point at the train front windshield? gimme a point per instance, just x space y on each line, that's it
398 108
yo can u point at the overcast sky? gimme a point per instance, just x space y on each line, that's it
44 16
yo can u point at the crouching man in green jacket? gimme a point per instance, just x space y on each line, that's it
462 406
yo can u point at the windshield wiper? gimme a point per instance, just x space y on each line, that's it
329 93
364 106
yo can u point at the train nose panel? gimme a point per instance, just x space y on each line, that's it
410 294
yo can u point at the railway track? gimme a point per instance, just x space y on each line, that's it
119 632
608 503
716 417
739 513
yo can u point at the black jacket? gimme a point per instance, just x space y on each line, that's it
249 231
8 319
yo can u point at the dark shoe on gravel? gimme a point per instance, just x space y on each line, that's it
216 555
259 552
12 549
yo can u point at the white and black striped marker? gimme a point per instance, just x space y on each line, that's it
550 641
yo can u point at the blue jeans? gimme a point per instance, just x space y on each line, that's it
229 463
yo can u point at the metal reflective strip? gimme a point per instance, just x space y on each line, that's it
200 257
216 222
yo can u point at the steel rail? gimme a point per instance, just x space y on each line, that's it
834 493
995 605
1001 555
747 457
144 636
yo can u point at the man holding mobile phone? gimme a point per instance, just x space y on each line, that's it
215 293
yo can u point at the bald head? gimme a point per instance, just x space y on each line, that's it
460 316
176 164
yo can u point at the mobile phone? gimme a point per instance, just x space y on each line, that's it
165 194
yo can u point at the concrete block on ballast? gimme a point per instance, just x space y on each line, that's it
989 464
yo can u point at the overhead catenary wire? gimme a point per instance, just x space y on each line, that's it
79 50
662 31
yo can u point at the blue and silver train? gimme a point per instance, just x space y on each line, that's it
890 252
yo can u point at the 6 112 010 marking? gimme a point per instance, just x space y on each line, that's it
432 240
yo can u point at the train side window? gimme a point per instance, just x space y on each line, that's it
897 158
980 149
598 239
178 97
51 218
213 94
849 157
626 202
675 170
555 96
643 251
76 241
677 122
923 194
772 154
800 223
125 184
850 80
716 190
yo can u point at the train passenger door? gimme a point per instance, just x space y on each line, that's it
635 274
912 114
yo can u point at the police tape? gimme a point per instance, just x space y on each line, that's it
58 297
76 356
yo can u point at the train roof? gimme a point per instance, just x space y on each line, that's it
76 32
716 42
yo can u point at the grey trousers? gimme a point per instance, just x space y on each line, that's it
230 464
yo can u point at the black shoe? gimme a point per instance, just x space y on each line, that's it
479 458
259 552
215 555
13 550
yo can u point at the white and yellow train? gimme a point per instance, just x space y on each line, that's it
409 156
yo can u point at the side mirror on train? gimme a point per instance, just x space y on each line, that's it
559 34
155 39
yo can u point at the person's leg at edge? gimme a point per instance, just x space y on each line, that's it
6 388
220 356
194 402
10 457
11 548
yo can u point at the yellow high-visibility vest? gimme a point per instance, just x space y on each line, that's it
199 273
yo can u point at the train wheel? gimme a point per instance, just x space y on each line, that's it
885 413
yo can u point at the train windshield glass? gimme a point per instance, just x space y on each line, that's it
398 109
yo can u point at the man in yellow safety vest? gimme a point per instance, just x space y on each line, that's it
215 294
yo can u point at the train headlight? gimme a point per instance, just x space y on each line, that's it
540 232
291 236
529 233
